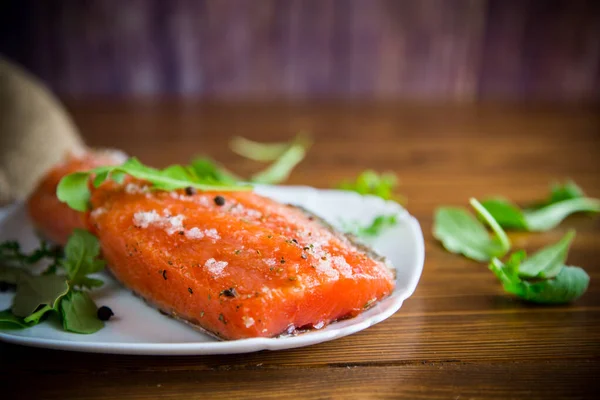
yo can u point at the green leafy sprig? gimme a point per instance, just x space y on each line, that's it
542 278
74 189
370 182
563 201
375 228
462 233
284 157
38 295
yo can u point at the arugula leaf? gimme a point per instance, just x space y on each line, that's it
265 151
9 321
74 189
541 219
79 313
508 215
460 232
548 217
570 190
37 295
81 258
35 291
564 200
11 275
568 285
11 254
375 228
210 170
547 262
370 182
281 168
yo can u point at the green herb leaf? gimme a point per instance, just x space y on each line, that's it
281 168
35 291
568 285
74 190
257 151
370 182
375 228
559 192
508 215
9 321
548 217
547 262
563 201
209 170
37 295
460 232
81 257
11 254
79 313
11 274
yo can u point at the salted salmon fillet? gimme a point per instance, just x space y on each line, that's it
53 219
235 264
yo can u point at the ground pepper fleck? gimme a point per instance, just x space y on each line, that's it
190 290
190 191
164 274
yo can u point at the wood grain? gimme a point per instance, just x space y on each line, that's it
459 336
298 49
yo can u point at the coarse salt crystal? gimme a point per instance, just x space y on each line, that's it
194 233
174 224
271 262
212 233
324 267
133 188
98 212
248 321
143 219
340 263
215 267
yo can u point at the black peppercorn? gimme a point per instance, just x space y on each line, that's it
190 191
220 200
231 292
104 313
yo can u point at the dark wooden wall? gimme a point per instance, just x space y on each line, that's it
420 49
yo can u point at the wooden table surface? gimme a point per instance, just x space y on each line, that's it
458 337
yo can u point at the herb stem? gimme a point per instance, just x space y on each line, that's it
487 217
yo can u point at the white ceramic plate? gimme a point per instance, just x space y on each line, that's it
139 329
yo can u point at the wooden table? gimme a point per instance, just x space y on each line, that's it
458 337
